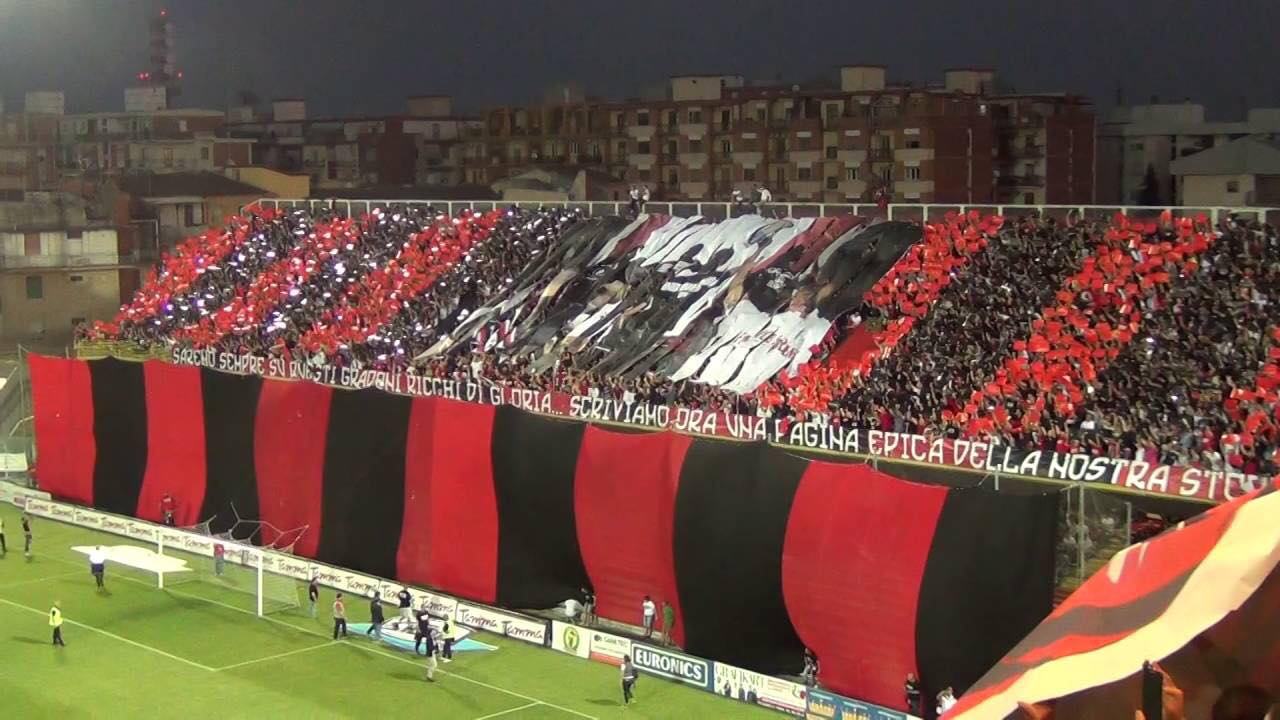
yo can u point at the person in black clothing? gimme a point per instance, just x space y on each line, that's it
912 689
26 534
810 672
375 616
406 601
629 676
424 630
313 594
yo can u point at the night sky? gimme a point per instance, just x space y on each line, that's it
349 57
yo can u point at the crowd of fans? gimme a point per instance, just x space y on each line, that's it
1148 340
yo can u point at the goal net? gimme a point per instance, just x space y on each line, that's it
229 573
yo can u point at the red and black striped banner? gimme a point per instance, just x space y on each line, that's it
760 552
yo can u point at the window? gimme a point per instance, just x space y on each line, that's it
620 121
831 152
832 111
832 182
166 156
804 173
1136 146
31 244
1233 186
75 234
622 148
371 155
192 214
333 172
913 144
762 114
749 174
851 173
695 145
642 118
671 118
35 287
1028 198
695 115
672 148
913 172
726 147
77 278
435 131
643 174
182 126
725 119
643 146
673 177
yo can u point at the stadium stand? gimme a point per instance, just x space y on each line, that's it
1152 340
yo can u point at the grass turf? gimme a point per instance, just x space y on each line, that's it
196 650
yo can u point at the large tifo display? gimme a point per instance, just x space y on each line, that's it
759 552
1172 480
731 682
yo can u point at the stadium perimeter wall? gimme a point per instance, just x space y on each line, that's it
760 552
731 682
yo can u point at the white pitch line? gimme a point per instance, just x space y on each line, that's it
375 650
500 713
277 656
121 638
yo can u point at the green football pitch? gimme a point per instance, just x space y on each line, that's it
198 651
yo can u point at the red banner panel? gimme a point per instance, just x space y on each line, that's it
175 464
624 498
62 397
449 538
288 455
857 542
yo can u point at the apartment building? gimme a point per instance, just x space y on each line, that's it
64 259
420 147
43 147
860 140
1137 141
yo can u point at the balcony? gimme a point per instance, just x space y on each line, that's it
881 154
1027 151
1020 181
68 260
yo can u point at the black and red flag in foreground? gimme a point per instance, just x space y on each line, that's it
760 552
1203 598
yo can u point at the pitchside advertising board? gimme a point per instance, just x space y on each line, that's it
608 648
503 623
823 705
672 665
17 495
764 690
571 639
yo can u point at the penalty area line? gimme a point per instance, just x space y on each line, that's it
277 656
114 636
508 711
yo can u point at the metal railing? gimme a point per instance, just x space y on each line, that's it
910 212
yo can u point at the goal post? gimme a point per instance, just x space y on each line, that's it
224 571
